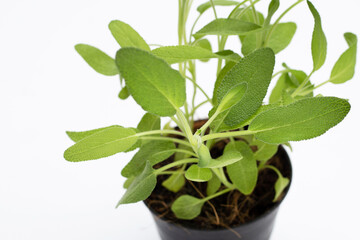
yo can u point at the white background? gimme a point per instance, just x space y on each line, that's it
46 89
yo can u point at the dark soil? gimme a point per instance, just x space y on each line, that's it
227 210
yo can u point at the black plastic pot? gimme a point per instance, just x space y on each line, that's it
258 229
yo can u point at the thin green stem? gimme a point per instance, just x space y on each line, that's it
155 132
199 105
170 172
280 72
236 7
183 151
300 87
175 140
322 84
177 163
278 20
207 124
213 7
217 194
227 134
193 27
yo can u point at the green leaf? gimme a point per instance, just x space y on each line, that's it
152 152
264 151
318 43
198 174
232 97
149 122
280 184
141 187
213 185
154 85
126 36
204 156
278 41
204 43
273 7
263 108
77 136
304 119
205 6
102 144
344 68
244 173
187 207
175 182
183 53
226 27
226 159
97 59
124 93
128 182
256 70
219 79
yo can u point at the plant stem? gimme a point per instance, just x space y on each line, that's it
177 163
217 194
227 134
154 132
170 172
199 105
236 7
175 140
299 88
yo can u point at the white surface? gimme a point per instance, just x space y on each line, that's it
46 89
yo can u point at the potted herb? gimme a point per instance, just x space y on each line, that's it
222 177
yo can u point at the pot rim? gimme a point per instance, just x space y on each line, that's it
261 216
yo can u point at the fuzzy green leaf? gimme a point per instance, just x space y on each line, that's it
264 151
319 43
102 144
273 7
220 78
204 43
128 182
256 70
77 136
152 152
126 36
232 97
344 68
205 6
226 159
98 60
204 156
213 185
243 173
149 122
280 184
183 53
175 182
141 187
187 207
154 85
226 27
198 174
124 93
301 120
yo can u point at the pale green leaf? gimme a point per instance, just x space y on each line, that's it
197 174
128 182
219 79
204 156
102 144
204 43
152 152
344 68
304 119
213 185
141 187
124 93
98 60
226 27
154 85
232 97
126 36
280 184
183 53
77 136
244 173
273 7
187 207
264 151
256 70
175 182
318 43
278 41
226 159
263 108
149 122
205 6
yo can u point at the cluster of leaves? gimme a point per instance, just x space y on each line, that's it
242 81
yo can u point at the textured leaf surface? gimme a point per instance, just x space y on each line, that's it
197 174
256 70
226 159
205 6
304 119
152 152
226 27
318 43
102 144
243 174
141 187
264 151
204 156
77 136
220 78
98 60
126 36
187 207
278 41
213 185
175 182
232 97
344 68
154 85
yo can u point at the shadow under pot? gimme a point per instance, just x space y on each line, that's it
257 225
